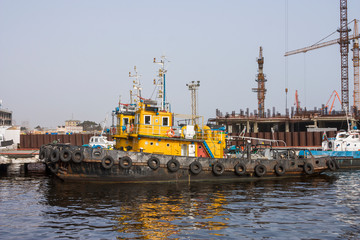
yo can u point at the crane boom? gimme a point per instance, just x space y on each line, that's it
320 45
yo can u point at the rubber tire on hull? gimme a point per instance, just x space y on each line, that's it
240 169
96 152
42 154
260 170
125 162
331 165
65 155
195 167
173 165
107 162
218 169
153 163
54 167
54 155
279 169
308 168
77 156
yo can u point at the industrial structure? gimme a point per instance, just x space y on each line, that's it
344 50
301 126
193 87
260 90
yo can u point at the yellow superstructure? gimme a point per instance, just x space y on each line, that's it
146 128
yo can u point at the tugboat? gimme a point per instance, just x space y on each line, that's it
150 146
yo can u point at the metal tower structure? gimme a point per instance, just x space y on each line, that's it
161 83
260 90
356 67
344 50
134 96
193 87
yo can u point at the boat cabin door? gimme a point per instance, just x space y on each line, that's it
184 149
192 150
188 150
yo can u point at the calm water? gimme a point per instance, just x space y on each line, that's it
39 207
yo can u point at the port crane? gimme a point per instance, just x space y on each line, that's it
344 49
333 96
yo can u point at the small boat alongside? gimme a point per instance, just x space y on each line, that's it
344 149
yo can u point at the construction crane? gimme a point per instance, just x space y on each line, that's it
261 90
344 49
334 95
356 67
297 102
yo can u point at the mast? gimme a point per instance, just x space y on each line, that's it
161 83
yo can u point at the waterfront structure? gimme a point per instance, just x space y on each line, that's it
71 126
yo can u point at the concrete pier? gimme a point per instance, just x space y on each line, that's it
21 161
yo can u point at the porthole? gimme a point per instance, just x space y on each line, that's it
151 143
168 145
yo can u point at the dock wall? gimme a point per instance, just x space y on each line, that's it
36 140
293 139
296 139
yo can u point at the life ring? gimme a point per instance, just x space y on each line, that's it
308 168
218 168
131 127
170 133
331 165
279 169
153 163
195 167
65 155
260 170
240 169
125 162
54 156
77 156
107 162
173 165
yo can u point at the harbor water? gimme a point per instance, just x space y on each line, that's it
41 207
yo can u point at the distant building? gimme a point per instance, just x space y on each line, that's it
71 126
5 117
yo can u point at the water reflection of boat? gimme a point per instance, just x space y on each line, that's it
148 148
161 211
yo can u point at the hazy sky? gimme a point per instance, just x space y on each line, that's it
60 59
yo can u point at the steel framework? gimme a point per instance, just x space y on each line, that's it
344 50
260 90
193 87
356 67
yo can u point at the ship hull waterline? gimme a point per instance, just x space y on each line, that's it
103 165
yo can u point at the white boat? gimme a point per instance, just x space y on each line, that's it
344 141
100 142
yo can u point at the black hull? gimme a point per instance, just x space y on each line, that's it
348 162
108 166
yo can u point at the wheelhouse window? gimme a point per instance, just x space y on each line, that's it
125 121
147 119
165 121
